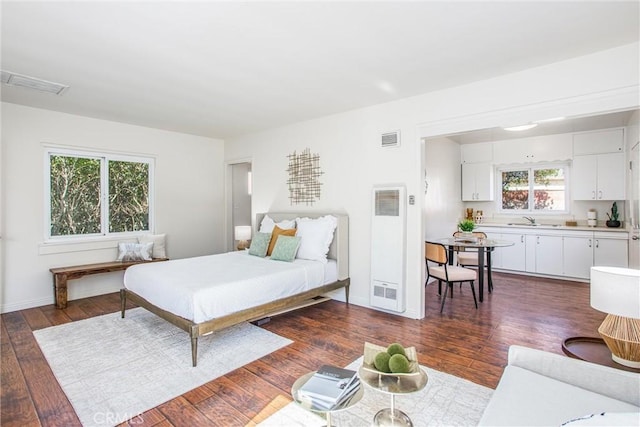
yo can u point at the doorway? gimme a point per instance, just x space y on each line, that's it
241 189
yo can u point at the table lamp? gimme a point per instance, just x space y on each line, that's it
616 291
243 235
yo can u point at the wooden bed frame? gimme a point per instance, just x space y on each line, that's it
339 251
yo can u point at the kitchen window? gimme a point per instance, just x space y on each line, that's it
534 189
92 194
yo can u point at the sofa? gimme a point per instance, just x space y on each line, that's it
538 388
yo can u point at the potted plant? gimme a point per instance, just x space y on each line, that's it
613 218
466 225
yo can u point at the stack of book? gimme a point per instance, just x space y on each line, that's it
329 388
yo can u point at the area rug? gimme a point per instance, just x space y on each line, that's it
113 369
446 400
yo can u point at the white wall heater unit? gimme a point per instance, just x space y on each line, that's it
388 242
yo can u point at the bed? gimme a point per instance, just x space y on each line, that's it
204 294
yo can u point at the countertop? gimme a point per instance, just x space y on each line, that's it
553 227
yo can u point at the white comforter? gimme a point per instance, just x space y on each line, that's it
203 288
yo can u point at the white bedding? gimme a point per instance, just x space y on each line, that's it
203 288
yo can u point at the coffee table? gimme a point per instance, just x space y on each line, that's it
327 412
393 385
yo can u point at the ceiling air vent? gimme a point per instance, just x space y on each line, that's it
13 79
390 139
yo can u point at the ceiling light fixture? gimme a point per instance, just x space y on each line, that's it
19 80
521 127
553 119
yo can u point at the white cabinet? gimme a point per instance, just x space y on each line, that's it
549 254
477 182
611 250
599 177
513 257
546 148
558 252
496 254
578 255
476 153
585 250
598 142
507 257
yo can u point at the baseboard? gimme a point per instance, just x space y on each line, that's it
23 305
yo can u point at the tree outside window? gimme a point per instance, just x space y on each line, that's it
534 189
97 195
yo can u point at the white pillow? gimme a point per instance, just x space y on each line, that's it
267 224
134 251
158 240
316 237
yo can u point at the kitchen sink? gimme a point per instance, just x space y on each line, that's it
528 224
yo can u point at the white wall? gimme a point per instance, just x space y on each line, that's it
353 162
189 174
443 207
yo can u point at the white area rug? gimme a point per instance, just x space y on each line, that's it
446 400
113 369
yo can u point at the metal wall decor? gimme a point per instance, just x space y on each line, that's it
304 171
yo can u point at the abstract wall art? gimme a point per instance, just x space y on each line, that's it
304 173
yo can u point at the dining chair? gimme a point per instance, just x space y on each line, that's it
443 272
468 257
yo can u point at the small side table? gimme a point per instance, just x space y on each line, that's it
592 349
345 405
393 384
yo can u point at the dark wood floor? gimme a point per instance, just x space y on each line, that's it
462 341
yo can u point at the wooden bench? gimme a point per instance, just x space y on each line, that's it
62 274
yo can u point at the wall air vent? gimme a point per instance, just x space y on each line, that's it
390 139
19 80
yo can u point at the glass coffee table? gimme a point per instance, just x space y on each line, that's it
326 412
393 385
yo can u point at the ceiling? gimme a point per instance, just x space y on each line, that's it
225 68
562 125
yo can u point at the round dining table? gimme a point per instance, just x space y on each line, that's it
483 246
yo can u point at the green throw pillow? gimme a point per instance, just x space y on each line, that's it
286 248
259 244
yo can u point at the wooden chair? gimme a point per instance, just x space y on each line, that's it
468 257
443 272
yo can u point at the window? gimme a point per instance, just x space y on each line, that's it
93 194
535 189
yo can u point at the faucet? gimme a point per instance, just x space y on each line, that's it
531 220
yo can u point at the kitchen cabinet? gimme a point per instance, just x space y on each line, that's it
477 182
508 257
476 153
546 148
598 142
496 254
558 252
578 255
583 251
611 249
599 177
548 250
513 257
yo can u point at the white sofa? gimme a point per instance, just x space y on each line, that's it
539 388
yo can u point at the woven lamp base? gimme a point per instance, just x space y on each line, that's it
622 336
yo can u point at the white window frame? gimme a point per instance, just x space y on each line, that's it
104 158
531 167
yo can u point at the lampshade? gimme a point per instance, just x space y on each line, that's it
243 232
616 291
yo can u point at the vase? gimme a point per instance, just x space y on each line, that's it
613 224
